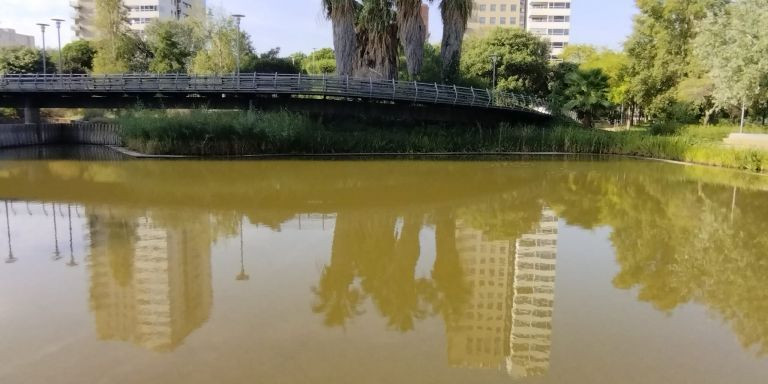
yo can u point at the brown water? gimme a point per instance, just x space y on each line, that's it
548 270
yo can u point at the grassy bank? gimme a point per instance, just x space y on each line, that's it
239 133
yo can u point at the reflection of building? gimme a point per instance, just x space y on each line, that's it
534 296
151 284
507 323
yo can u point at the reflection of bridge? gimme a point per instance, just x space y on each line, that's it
322 94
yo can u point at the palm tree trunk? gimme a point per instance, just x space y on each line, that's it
412 33
455 15
377 54
342 15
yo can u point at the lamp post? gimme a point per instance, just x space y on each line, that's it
237 18
58 32
42 29
494 60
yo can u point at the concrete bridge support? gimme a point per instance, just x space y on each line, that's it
31 112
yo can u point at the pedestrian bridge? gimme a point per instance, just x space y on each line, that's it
311 93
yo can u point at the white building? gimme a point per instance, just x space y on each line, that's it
9 38
552 20
549 19
139 13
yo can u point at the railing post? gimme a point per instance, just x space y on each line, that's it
437 93
394 89
455 95
416 87
490 97
347 85
370 87
473 95
325 83
274 82
255 84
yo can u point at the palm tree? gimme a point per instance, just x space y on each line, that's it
412 34
455 15
588 94
343 14
376 40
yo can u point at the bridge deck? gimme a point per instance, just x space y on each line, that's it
271 84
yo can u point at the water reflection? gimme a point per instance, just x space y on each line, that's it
679 237
150 277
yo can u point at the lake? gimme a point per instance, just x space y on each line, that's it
531 269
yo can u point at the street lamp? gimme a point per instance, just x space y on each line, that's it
58 31
237 18
494 60
42 29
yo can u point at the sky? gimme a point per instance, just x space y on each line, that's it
299 25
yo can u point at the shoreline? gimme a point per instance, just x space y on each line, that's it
139 155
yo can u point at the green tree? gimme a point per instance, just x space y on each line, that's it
219 55
733 45
270 62
587 92
319 62
173 44
113 44
523 62
18 60
78 57
660 49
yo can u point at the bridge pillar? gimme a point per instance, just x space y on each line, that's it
31 113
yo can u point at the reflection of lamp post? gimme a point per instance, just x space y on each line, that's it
10 258
71 262
56 252
42 29
242 276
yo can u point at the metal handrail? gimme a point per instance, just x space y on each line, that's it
276 83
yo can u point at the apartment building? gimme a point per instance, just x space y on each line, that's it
548 19
9 38
139 13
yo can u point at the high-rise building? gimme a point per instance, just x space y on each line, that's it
150 284
548 19
507 324
139 13
9 38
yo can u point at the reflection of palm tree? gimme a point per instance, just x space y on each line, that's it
336 298
72 262
56 252
242 276
451 290
10 258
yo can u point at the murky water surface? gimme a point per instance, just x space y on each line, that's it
537 270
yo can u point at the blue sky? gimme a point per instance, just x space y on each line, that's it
298 25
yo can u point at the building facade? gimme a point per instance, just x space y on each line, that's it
139 13
548 19
9 38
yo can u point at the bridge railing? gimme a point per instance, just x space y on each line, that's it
293 84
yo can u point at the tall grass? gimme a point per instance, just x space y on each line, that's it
203 132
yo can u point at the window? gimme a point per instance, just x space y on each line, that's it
482 20
512 7
503 7
502 20
493 20
481 7
558 32
493 7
